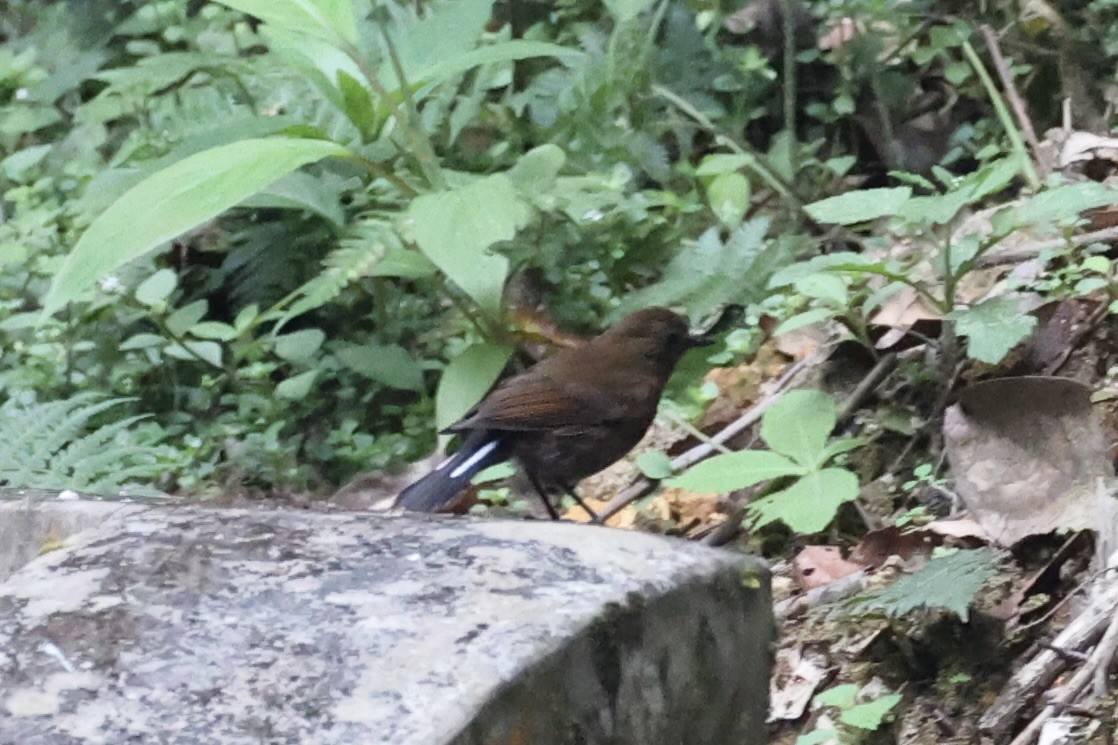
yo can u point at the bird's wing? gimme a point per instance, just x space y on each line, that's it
535 402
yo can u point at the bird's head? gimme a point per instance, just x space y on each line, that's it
658 334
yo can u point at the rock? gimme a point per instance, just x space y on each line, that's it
191 625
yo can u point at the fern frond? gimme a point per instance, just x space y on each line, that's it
50 445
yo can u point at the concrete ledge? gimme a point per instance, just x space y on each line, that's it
190 625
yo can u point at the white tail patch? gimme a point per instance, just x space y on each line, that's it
474 459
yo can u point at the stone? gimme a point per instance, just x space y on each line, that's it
181 624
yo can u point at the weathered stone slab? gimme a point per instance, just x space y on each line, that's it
189 625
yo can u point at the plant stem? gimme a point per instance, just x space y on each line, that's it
1018 144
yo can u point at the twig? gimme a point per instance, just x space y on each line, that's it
879 372
643 486
1097 662
1032 250
1015 101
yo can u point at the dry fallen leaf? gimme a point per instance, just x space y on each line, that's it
816 566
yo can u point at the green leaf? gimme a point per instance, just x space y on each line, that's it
838 447
328 19
296 387
447 67
818 736
431 46
859 206
810 504
655 464
536 170
357 103
808 317
389 364
824 286
173 200
949 582
993 327
185 318
870 715
799 424
841 696
456 228
155 289
467 378
709 274
718 163
729 471
299 346
141 341
1063 202
191 351
213 330
728 195
301 191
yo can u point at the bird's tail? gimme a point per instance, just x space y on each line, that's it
481 450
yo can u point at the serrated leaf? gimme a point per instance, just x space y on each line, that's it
730 471
798 426
859 206
175 199
993 327
385 363
467 378
947 582
456 228
810 504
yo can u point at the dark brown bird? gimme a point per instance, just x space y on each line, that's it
567 417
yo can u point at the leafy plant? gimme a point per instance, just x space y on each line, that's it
57 445
948 582
859 716
797 429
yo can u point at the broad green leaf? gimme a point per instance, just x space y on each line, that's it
719 163
213 330
173 200
838 447
949 582
301 191
157 288
859 206
1063 202
655 464
182 320
209 351
841 696
798 426
824 286
536 170
467 378
993 327
818 736
329 19
442 36
810 504
725 473
870 715
142 341
808 317
299 346
456 228
728 195
358 103
385 363
444 68
296 387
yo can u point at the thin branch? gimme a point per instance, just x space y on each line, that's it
1011 93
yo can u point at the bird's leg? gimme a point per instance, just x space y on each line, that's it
543 494
574 495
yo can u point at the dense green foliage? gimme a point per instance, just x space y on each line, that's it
292 240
